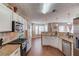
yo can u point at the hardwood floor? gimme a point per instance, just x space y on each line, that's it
38 50
76 52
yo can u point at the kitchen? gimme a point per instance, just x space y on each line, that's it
21 25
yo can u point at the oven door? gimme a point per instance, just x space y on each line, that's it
24 48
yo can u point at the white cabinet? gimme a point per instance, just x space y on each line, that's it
15 17
52 41
16 52
56 42
59 44
45 40
66 48
5 18
25 24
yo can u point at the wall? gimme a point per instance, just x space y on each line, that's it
60 27
52 27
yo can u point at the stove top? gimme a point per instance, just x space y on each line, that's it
19 40
23 43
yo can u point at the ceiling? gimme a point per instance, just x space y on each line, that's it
33 11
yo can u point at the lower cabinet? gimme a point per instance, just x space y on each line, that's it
54 42
58 43
45 40
16 52
66 48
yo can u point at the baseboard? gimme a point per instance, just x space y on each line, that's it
55 48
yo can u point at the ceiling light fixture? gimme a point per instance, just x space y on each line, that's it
46 7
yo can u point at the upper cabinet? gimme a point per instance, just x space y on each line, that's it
25 25
5 19
23 21
14 16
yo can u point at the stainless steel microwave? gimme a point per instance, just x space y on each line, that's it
17 26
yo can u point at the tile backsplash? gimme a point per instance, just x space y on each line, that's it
8 36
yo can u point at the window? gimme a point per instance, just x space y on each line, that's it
46 28
61 28
40 28
64 28
36 29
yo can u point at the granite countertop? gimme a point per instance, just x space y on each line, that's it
66 38
62 37
8 49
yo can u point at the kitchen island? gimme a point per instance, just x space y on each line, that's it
61 42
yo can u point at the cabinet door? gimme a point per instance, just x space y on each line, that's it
45 40
66 48
25 25
15 16
60 44
5 19
53 42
